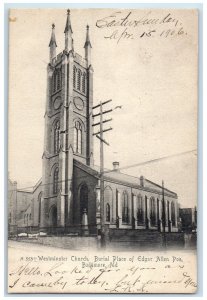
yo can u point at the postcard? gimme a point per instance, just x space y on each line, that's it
102 133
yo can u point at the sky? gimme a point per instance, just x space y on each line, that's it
145 61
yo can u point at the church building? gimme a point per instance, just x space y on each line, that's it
68 194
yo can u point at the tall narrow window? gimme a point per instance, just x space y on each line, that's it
54 81
39 211
146 211
108 199
164 215
125 208
173 213
140 212
78 137
107 212
158 209
79 80
57 137
30 216
84 83
168 212
58 79
152 211
74 77
79 150
55 181
75 138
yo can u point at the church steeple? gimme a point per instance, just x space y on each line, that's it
87 47
52 44
68 75
68 33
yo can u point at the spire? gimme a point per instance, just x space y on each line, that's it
87 42
52 39
52 43
68 23
87 47
68 33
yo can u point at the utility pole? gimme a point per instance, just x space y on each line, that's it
99 135
27 225
163 214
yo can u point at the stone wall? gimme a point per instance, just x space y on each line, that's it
66 242
120 239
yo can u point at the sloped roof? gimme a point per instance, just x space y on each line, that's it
87 169
37 184
122 178
116 177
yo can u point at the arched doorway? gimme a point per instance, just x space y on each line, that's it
83 200
53 216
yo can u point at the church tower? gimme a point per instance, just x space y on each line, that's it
68 126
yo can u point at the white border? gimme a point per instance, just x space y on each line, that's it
3 137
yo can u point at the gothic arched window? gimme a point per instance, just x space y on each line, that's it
84 83
79 80
74 77
125 208
30 216
140 212
57 137
173 213
55 181
108 199
152 211
107 212
78 137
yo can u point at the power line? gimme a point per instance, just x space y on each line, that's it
45 184
110 171
152 160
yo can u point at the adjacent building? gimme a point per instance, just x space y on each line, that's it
188 218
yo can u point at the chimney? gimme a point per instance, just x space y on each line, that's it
115 166
142 180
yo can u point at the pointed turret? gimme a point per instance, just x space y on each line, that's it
68 34
87 47
52 44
